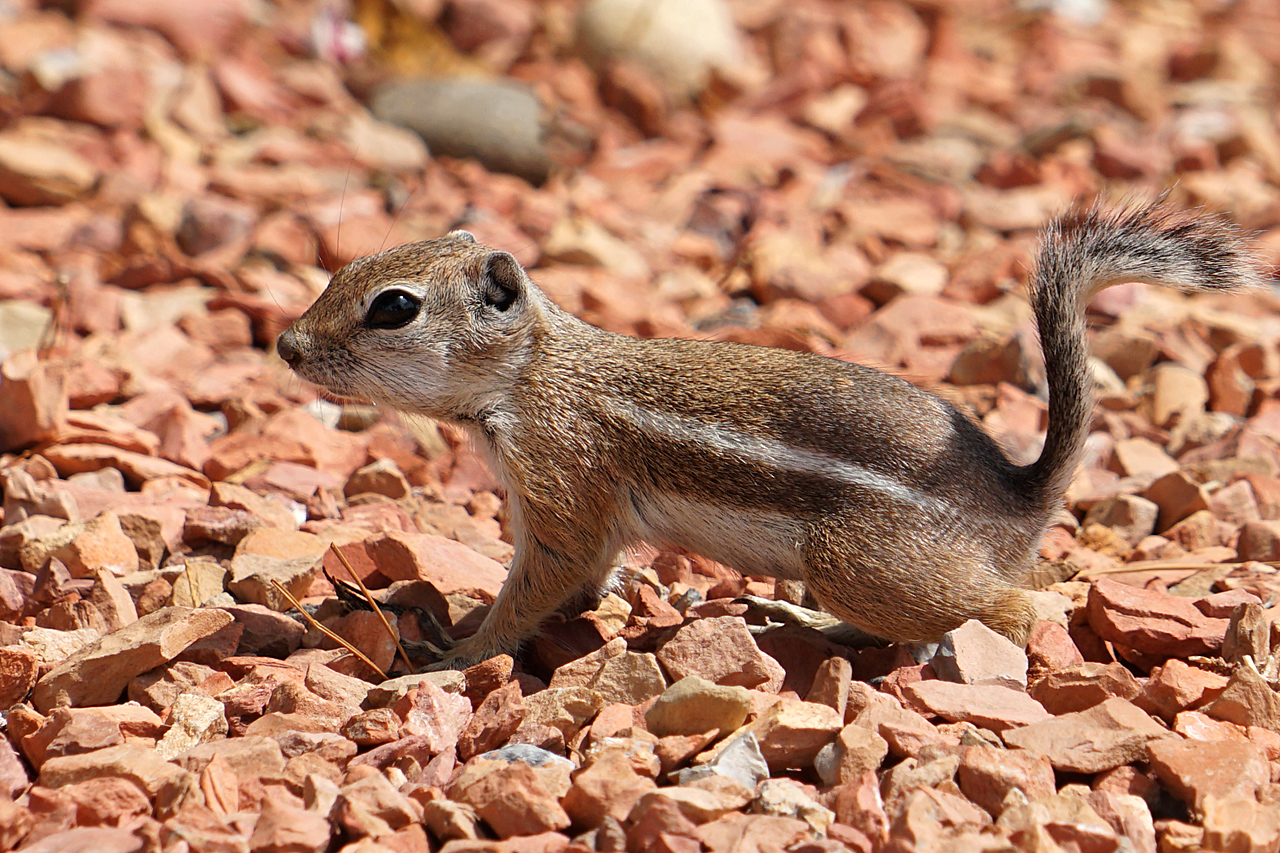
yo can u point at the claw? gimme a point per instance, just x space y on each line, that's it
441 666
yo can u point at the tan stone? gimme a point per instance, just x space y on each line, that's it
1247 700
253 578
1130 516
382 477
283 544
112 600
199 582
1066 815
566 709
1177 392
1259 540
855 752
694 705
629 679
1240 823
372 728
194 719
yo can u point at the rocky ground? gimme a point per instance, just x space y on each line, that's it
862 180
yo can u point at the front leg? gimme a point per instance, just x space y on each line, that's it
540 581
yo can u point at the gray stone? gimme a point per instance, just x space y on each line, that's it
499 124
252 576
1133 517
740 760
526 753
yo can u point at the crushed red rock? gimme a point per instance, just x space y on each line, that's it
863 181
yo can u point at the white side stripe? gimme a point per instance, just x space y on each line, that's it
769 452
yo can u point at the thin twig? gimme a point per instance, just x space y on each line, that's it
1134 568
323 630
52 329
395 635
1165 565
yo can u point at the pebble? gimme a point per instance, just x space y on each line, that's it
720 650
98 673
988 706
1110 734
974 654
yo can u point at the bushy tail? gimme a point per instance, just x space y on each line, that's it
1086 251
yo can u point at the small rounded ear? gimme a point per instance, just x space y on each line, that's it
503 281
464 236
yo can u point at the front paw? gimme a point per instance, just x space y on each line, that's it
453 662
463 655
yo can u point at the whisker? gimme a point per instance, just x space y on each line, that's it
396 218
342 202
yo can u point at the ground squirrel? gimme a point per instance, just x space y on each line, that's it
902 516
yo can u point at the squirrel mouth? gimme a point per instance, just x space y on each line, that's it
341 399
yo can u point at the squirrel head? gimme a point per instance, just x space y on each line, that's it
434 328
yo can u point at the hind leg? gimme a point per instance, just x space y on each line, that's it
1010 613
911 590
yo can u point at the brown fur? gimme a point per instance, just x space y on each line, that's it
902 516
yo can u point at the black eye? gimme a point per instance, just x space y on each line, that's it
392 309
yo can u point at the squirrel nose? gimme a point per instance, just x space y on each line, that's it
287 347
